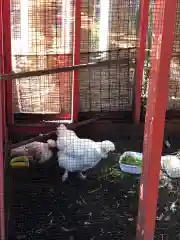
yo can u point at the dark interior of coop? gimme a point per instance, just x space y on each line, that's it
94 66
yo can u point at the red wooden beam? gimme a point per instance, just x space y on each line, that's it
8 58
2 132
164 22
76 57
143 26
2 84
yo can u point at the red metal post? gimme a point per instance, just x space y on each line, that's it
2 132
2 84
143 26
164 22
8 58
76 57
2 212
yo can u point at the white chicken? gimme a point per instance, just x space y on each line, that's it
65 137
40 151
77 154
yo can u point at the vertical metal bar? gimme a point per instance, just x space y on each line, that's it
76 57
164 22
8 58
143 26
2 84
2 131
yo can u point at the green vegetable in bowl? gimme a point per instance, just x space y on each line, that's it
131 158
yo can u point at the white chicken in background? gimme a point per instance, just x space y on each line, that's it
40 151
77 154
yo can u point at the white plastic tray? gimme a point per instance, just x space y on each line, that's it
130 168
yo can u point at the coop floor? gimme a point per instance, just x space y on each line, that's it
102 207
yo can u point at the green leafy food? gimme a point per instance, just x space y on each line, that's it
130 160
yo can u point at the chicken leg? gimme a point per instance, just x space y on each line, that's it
82 176
65 176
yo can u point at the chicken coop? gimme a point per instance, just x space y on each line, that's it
108 70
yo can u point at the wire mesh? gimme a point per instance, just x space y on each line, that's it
108 31
42 33
108 88
174 85
51 93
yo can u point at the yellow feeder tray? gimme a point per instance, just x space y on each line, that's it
20 161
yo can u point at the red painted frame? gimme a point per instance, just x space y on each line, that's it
3 94
164 22
2 131
143 26
76 56
7 58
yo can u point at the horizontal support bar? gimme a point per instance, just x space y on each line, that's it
37 73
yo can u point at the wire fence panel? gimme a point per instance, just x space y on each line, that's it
106 88
174 83
43 94
108 31
42 34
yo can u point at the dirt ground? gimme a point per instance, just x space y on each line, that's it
102 207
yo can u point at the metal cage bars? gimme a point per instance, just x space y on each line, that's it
152 150
8 60
76 58
140 57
